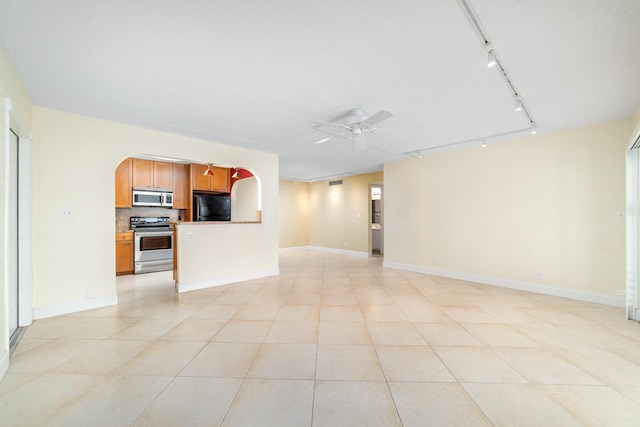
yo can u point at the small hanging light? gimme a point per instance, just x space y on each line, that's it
235 174
208 171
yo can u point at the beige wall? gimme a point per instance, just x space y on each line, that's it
545 204
294 214
11 86
339 214
636 117
74 158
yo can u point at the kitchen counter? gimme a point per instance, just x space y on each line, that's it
221 252
214 222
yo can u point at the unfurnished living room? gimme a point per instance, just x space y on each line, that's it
320 213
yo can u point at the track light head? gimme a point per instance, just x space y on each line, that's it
518 106
491 59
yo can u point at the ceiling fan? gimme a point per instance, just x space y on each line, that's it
354 127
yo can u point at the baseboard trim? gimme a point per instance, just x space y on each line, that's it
204 284
513 284
74 307
329 250
4 363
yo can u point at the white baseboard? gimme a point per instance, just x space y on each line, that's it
294 248
330 250
203 284
73 307
513 284
4 363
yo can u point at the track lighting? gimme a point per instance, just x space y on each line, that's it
208 171
491 59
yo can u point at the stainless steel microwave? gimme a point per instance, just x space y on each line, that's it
152 197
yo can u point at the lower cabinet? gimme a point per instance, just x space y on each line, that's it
124 253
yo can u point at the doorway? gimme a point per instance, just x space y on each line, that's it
376 247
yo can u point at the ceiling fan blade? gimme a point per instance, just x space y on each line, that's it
334 135
377 118
340 125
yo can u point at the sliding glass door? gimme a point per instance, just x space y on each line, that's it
12 225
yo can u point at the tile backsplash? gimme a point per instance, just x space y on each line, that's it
123 215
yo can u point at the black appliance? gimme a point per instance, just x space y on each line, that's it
211 207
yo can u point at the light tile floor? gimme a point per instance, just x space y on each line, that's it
332 341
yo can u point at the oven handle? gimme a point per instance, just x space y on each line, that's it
153 233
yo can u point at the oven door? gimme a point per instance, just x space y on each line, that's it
153 251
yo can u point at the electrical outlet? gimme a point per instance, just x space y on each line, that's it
345 244
539 275
410 257
65 213
620 292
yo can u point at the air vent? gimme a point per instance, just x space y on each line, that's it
337 182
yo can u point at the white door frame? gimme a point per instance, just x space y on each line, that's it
633 226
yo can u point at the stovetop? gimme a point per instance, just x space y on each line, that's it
149 223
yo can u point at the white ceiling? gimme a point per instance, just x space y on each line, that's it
258 74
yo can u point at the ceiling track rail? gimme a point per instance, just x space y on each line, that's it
418 153
484 37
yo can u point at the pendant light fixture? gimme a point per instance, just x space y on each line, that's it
208 171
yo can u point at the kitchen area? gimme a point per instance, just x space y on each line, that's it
153 196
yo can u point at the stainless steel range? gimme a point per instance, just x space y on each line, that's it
153 250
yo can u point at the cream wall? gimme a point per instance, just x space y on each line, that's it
74 159
19 112
294 214
546 204
339 214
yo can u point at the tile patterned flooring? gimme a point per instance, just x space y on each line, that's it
332 341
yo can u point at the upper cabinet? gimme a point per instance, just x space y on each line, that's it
150 174
219 182
180 174
123 184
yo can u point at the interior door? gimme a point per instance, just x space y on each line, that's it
13 234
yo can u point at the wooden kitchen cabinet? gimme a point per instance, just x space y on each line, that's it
162 175
123 184
180 186
124 253
150 174
218 182
142 173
